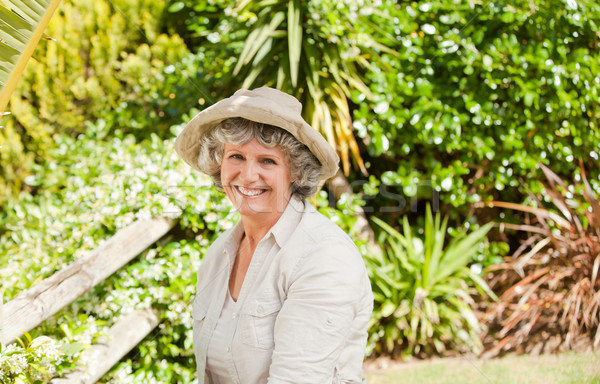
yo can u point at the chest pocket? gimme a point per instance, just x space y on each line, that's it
257 323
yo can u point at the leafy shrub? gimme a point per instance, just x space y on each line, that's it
88 190
132 79
34 360
424 290
199 23
478 94
550 288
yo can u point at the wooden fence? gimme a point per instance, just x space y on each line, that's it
30 308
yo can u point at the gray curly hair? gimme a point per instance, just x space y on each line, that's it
305 169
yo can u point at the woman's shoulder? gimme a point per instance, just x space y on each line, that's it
316 238
319 251
317 228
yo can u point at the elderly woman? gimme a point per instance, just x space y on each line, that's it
284 295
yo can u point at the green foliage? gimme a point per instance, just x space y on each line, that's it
287 48
198 22
87 191
315 50
108 64
470 99
423 290
478 93
34 360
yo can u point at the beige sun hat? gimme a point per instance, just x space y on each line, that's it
262 105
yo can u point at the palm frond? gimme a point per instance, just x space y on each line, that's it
312 65
22 23
294 39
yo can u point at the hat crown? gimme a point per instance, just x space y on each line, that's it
272 95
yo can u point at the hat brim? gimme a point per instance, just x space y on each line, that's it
263 105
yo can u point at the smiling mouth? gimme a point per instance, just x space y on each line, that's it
252 192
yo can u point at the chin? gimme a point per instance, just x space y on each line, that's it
250 210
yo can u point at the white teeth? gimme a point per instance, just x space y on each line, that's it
250 192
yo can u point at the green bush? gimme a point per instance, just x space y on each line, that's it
473 96
88 190
30 361
466 98
108 64
424 290
478 93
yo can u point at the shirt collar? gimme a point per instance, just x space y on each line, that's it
281 231
287 223
233 240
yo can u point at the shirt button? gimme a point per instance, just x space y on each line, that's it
260 309
234 316
227 349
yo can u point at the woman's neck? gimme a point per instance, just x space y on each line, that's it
256 228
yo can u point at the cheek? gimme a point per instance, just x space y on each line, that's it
226 173
285 176
284 181
223 175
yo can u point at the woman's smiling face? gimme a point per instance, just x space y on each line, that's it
256 179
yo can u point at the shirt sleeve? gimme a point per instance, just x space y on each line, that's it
315 321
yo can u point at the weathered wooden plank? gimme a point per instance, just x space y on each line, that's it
38 303
101 357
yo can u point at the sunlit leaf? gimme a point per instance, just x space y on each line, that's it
22 26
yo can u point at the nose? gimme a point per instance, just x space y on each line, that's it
250 172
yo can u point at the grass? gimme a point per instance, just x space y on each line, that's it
566 368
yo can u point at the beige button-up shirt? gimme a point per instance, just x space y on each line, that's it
302 312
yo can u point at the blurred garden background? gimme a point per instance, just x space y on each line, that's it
469 139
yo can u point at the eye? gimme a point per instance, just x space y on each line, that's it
236 156
269 161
